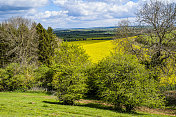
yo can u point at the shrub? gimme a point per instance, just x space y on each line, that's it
70 54
122 81
44 77
70 83
16 77
91 82
69 78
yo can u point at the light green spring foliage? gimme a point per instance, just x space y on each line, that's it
70 54
16 77
122 81
69 78
70 84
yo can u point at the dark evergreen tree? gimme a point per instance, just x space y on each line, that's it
47 44
52 41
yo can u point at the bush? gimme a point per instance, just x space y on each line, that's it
69 78
70 83
70 54
91 82
122 81
16 77
44 77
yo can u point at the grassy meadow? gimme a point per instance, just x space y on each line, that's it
15 104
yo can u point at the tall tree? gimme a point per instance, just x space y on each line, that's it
53 41
162 18
156 40
19 41
47 44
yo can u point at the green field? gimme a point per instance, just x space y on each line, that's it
86 34
13 104
96 49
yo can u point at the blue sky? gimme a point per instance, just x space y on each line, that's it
71 13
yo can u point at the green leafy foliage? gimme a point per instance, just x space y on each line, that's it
122 81
15 77
44 77
69 79
70 83
70 54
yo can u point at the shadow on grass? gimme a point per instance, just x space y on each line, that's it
105 107
97 106
49 102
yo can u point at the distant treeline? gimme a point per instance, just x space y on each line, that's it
76 35
93 34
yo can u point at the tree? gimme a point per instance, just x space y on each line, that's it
44 77
47 44
124 31
156 38
19 41
70 79
123 81
162 18
16 77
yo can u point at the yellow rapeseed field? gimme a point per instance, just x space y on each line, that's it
96 49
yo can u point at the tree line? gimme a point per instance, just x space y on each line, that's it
25 42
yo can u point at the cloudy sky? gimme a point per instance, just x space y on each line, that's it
71 13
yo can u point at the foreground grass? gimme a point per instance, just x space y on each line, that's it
40 104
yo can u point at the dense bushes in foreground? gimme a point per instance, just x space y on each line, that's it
66 75
122 81
16 77
70 79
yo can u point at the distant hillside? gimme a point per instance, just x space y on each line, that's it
95 33
92 28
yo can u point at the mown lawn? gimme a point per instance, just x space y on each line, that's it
14 104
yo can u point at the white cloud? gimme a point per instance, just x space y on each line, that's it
61 2
23 3
167 1
24 8
72 13
86 13
99 8
49 14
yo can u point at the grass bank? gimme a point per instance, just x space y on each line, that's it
14 104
